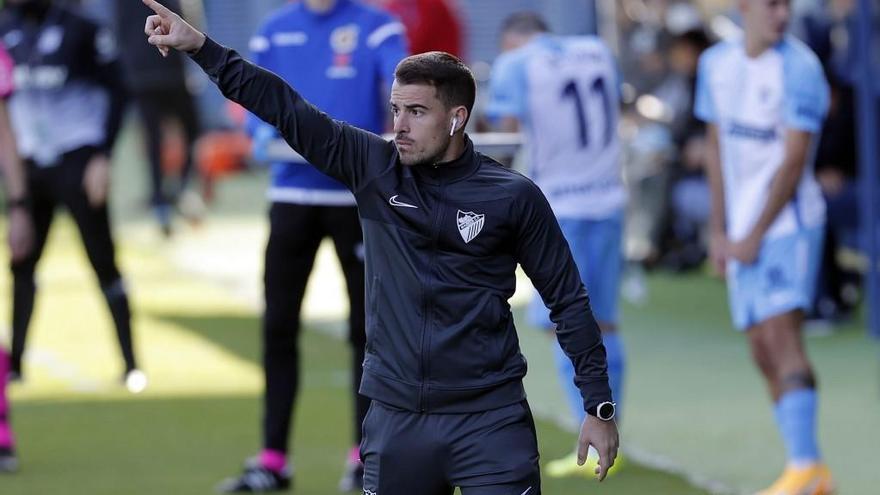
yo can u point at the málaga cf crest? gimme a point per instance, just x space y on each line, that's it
470 224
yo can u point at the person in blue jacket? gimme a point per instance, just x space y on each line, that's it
341 54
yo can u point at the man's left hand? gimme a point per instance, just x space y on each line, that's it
602 435
96 180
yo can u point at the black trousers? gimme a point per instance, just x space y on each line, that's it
492 452
62 184
296 231
156 106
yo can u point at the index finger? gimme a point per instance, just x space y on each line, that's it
158 8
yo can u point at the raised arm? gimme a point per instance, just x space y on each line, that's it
347 153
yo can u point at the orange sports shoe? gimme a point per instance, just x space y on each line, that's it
810 480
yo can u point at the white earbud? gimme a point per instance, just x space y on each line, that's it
454 123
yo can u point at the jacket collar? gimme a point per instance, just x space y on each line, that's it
462 167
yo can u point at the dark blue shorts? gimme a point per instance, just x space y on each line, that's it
486 453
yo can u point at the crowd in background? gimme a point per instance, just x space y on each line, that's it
657 43
660 45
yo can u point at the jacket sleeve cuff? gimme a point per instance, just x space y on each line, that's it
595 393
210 56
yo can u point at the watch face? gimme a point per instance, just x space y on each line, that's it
605 411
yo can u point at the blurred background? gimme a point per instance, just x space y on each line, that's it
196 289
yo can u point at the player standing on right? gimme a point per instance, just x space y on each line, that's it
764 97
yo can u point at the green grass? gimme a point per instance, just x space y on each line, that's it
693 397
184 445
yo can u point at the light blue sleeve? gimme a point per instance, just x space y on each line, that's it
704 107
806 97
507 88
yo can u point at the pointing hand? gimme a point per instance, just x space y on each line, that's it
166 30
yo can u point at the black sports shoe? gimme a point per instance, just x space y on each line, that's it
8 461
256 479
353 477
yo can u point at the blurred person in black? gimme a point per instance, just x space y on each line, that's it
837 174
66 113
20 239
827 27
158 88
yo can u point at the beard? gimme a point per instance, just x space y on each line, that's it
424 158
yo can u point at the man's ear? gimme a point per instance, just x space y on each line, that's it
459 119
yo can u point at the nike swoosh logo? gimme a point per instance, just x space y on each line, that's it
394 202
527 491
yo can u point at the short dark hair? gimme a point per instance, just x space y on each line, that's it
452 79
524 23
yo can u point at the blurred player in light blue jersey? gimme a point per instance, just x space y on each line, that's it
563 92
764 96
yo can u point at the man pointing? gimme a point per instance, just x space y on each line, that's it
444 228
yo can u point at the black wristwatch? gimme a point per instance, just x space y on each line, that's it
604 411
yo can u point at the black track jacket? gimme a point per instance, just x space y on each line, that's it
441 246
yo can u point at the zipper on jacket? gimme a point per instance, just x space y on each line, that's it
425 342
